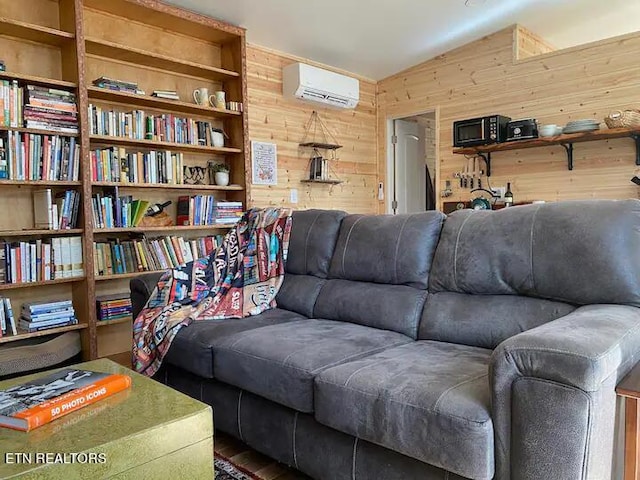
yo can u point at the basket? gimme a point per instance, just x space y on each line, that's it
623 119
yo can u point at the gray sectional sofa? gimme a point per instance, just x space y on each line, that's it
484 345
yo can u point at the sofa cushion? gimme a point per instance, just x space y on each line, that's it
392 307
298 293
279 362
387 249
578 252
484 320
312 241
428 400
192 349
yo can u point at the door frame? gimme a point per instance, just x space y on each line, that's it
388 178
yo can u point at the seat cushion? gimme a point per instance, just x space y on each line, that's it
279 362
192 349
428 400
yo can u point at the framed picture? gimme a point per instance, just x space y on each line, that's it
264 163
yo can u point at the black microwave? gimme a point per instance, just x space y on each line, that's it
480 131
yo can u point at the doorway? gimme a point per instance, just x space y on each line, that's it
412 163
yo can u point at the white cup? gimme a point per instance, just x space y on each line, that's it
217 100
201 96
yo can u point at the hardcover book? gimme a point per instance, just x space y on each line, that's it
33 404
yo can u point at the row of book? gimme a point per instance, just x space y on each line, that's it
7 320
140 126
50 109
11 101
29 156
41 260
118 85
39 316
116 306
117 211
55 212
142 255
116 165
206 210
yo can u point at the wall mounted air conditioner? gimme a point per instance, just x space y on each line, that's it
316 85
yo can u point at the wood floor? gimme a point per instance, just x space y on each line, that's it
258 464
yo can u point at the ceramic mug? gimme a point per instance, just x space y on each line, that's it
218 100
201 96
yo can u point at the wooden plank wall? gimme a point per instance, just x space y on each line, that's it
272 118
483 78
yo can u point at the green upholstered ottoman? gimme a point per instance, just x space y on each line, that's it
147 432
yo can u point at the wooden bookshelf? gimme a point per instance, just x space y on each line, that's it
121 276
37 131
66 44
154 144
147 101
106 323
50 331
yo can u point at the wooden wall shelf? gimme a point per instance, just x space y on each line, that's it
228 188
41 183
45 82
38 233
153 144
50 331
566 141
37 131
124 53
325 146
34 33
120 276
114 96
14 286
330 182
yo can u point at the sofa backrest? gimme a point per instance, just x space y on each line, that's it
313 239
379 271
531 264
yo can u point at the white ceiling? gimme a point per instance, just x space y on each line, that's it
377 38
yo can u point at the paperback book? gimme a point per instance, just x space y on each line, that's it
38 402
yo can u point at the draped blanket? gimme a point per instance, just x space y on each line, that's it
238 279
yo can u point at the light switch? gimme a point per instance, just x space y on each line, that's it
293 195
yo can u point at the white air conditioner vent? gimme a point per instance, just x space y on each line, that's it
316 85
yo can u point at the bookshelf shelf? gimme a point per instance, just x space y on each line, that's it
152 144
42 81
125 53
50 331
112 96
171 228
36 131
33 32
41 183
14 286
105 323
120 276
37 233
230 188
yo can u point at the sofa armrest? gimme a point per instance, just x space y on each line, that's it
553 393
141 288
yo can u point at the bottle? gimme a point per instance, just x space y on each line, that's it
508 196
154 210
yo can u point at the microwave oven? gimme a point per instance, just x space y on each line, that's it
480 131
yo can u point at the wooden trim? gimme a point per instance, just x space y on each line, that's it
34 33
41 333
631 438
13 286
45 82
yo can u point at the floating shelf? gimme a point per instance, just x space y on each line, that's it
153 144
37 131
45 82
104 48
113 96
34 32
13 286
566 141
50 331
172 228
120 276
331 182
36 232
232 188
326 146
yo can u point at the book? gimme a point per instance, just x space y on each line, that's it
35 403
43 209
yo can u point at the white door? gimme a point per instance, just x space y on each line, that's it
409 167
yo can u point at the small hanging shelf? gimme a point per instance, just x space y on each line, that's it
318 138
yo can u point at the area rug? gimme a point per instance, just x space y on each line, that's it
227 470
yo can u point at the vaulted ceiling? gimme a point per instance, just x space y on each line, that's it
377 38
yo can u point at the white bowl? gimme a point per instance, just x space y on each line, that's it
549 130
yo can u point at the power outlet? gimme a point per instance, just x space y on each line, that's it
293 195
499 192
